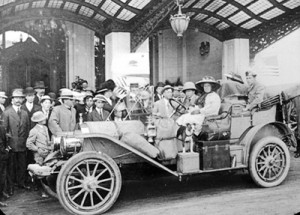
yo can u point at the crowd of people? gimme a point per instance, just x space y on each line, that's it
30 118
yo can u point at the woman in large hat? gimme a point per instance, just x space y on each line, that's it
210 102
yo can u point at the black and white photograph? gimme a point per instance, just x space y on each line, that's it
147 107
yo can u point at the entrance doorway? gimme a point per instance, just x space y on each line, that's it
24 72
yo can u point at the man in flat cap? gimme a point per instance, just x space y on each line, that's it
16 123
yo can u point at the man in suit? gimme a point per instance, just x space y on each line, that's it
3 98
63 117
4 152
162 108
29 106
99 114
16 123
39 88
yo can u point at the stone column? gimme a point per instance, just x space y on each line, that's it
235 56
80 54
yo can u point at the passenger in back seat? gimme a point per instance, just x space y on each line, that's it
208 104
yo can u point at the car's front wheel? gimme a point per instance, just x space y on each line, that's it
269 162
89 183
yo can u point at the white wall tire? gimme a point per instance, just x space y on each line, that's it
89 183
269 162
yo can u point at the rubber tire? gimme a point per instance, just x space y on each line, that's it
69 165
252 169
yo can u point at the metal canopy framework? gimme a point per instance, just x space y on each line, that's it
262 21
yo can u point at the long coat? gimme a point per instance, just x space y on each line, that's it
17 127
256 94
34 109
95 116
62 119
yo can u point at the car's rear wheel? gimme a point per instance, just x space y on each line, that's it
269 162
89 183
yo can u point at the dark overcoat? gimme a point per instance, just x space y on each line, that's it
17 128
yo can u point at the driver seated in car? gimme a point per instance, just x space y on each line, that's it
208 104
162 108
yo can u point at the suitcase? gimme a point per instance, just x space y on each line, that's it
213 154
188 162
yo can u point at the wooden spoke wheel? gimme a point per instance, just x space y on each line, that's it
269 162
89 183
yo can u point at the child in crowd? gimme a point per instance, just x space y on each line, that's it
38 140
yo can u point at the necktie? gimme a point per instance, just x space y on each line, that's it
19 112
101 114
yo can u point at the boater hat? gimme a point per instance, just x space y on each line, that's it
38 116
166 88
66 94
210 80
46 97
100 98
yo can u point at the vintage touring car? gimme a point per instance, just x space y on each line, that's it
83 171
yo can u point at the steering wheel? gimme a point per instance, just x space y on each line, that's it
177 106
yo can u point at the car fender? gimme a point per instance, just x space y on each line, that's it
254 134
125 149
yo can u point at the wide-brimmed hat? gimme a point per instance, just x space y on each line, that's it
250 73
166 88
2 94
189 86
17 93
39 85
100 98
38 116
29 91
66 94
210 80
46 97
235 77
102 90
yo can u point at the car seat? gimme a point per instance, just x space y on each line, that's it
217 127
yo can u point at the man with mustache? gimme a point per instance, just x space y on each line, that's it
16 124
